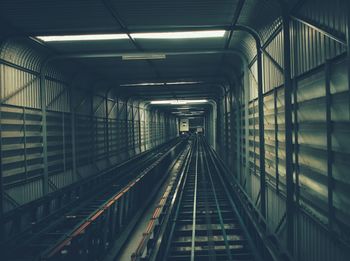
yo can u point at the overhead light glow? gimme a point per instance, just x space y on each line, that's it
180 35
159 35
84 37
157 83
179 83
144 57
178 102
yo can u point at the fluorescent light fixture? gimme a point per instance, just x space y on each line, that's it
178 102
84 37
180 35
159 35
144 57
142 84
156 84
179 83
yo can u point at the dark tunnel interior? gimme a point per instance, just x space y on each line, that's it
174 130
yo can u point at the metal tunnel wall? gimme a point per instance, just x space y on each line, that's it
77 130
320 132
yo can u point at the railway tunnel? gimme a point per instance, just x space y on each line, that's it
174 130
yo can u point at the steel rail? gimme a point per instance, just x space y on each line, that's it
95 196
91 218
163 209
211 245
177 200
194 206
217 206
214 159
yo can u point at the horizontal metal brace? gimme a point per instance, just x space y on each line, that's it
121 54
274 62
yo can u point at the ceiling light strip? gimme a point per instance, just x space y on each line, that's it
121 36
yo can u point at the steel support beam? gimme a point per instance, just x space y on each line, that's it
107 125
139 114
238 134
110 8
74 151
126 126
93 127
226 129
137 53
2 228
275 98
234 21
44 125
348 50
329 128
288 132
274 62
261 131
132 127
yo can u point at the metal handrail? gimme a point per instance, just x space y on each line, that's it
157 217
91 218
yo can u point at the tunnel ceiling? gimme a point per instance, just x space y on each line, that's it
57 17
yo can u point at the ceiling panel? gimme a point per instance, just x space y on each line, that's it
53 16
174 13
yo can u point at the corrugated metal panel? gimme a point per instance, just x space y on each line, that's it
19 87
245 44
329 14
23 193
273 63
314 243
21 149
57 96
311 48
23 53
73 16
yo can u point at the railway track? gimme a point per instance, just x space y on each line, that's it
86 231
203 223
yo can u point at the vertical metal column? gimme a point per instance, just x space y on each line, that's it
74 152
238 137
140 143
348 51
226 130
246 123
126 127
218 126
64 142
275 95
288 133
44 127
261 133
107 126
2 228
25 142
330 182
93 130
133 128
